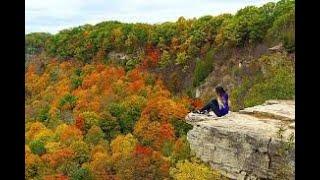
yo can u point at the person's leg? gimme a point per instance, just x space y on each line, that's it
215 107
207 107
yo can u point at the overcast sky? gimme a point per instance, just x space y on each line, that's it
55 15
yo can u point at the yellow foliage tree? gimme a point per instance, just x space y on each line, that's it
123 145
193 170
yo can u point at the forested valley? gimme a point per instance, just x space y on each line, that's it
108 101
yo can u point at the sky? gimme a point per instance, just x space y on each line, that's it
54 15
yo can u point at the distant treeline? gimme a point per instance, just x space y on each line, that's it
182 40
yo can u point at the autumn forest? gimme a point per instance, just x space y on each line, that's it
108 101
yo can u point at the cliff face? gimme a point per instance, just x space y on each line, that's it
251 144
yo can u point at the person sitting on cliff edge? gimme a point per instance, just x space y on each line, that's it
219 105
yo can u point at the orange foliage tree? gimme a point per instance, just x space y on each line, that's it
154 126
57 158
105 102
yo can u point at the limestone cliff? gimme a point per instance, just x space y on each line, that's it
250 144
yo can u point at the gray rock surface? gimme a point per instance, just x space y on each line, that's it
277 109
246 146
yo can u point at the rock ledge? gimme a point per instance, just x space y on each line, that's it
246 144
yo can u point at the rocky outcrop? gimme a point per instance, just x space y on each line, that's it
277 47
251 144
275 109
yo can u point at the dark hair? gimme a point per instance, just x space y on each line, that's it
220 91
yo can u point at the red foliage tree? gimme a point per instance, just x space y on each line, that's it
142 151
80 123
196 103
152 57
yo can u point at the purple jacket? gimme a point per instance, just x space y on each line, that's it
223 111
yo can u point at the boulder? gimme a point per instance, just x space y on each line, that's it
246 145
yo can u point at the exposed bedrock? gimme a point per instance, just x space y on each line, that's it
251 144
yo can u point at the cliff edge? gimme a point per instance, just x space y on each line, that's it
254 143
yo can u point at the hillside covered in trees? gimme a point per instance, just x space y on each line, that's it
108 101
